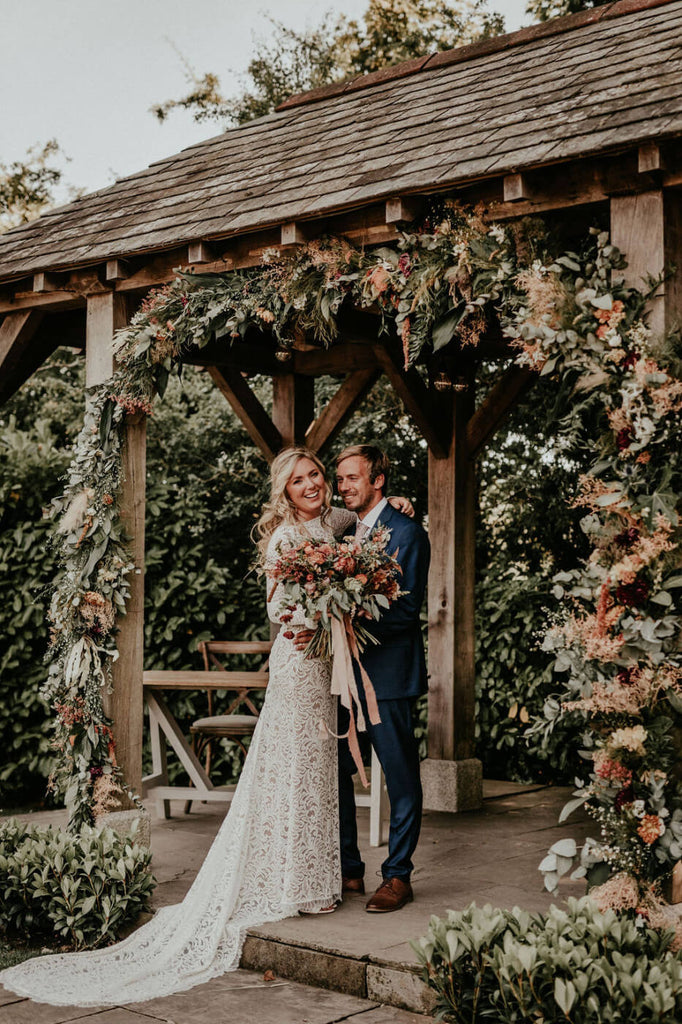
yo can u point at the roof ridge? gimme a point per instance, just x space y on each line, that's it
555 26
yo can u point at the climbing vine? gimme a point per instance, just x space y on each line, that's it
615 633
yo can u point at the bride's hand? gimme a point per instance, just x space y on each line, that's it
303 638
403 505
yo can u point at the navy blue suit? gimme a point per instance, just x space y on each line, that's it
397 668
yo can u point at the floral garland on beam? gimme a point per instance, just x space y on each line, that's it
617 637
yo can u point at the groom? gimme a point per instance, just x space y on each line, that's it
397 669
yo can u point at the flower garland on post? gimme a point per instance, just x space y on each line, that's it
617 637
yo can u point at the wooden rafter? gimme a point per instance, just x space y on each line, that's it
496 406
258 424
18 357
417 400
329 423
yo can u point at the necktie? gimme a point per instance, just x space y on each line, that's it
361 531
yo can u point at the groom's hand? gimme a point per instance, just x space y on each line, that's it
303 638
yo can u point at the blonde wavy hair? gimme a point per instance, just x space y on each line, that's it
280 508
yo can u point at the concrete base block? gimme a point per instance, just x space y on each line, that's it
452 785
309 966
404 989
123 821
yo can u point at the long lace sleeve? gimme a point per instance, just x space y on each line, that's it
276 598
341 521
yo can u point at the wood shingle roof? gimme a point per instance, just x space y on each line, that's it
582 85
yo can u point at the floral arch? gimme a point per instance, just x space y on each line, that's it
617 639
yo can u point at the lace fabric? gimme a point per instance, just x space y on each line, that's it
277 851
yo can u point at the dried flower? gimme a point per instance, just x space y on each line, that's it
650 828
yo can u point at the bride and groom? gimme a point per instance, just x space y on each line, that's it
289 842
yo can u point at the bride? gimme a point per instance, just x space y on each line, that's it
277 851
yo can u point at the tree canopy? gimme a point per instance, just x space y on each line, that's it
289 62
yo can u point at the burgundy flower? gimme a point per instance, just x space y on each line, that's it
634 594
96 772
624 677
628 537
624 797
630 360
405 264
624 439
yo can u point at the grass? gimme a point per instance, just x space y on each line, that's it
14 954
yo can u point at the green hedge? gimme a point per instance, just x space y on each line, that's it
81 888
576 965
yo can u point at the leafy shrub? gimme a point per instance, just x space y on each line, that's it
577 965
81 889
514 681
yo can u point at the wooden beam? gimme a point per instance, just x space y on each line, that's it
452 505
293 406
106 313
19 357
116 270
329 423
240 355
402 208
124 705
47 283
339 359
199 252
255 419
497 404
650 158
416 398
292 234
515 187
648 229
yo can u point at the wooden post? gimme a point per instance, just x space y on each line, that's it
106 313
293 406
452 777
648 229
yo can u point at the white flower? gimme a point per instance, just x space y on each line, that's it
498 233
638 808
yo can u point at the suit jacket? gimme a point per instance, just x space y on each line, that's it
397 666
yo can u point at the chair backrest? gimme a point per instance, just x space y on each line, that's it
211 649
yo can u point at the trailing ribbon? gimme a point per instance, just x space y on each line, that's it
343 686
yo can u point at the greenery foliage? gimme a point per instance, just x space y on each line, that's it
75 888
576 965
26 185
543 10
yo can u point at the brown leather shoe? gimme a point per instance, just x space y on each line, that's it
353 885
392 894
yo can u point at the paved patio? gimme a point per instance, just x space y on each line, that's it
357 961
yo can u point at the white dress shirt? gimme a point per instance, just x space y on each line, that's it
370 519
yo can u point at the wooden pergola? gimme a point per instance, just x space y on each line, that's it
579 115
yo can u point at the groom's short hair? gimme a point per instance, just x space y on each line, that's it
377 461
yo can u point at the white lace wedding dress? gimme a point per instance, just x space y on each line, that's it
276 853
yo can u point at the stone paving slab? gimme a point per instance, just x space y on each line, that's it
242 997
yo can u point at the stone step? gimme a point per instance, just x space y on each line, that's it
391 982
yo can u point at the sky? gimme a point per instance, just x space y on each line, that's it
87 72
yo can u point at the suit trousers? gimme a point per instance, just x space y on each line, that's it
398 751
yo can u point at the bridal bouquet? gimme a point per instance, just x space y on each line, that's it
335 583
337 580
